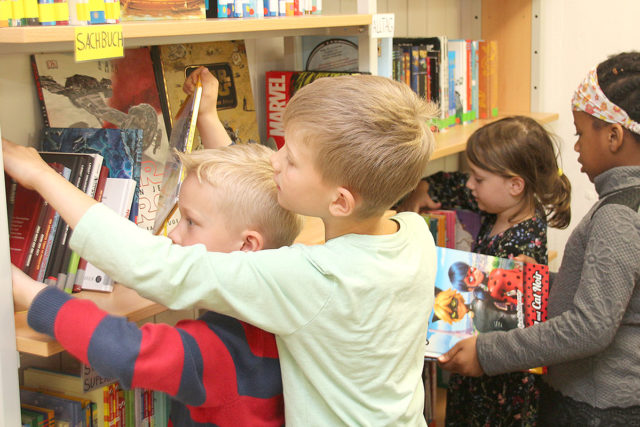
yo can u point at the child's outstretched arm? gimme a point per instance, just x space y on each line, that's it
25 288
212 131
26 166
139 356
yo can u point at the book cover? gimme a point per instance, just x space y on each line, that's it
121 150
281 86
182 138
135 10
227 61
460 79
114 93
487 79
480 293
117 195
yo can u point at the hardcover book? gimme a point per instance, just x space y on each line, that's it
115 93
227 61
480 293
281 86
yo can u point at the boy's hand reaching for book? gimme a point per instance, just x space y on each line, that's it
462 359
208 102
23 164
212 132
25 288
26 166
418 200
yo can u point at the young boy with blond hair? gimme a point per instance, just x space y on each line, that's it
350 315
223 371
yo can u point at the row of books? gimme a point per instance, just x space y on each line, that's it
20 13
460 75
262 8
105 164
51 399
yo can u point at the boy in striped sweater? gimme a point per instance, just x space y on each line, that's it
218 370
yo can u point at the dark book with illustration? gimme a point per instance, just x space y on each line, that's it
477 293
120 148
227 61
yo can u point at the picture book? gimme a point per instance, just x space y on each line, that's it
281 86
480 293
75 412
227 61
182 137
114 93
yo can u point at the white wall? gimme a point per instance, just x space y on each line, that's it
575 35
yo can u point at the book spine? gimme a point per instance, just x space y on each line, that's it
61 10
47 12
36 78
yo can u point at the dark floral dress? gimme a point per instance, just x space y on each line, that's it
500 400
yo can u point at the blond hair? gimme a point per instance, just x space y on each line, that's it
370 134
246 191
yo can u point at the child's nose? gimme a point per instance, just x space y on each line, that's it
174 236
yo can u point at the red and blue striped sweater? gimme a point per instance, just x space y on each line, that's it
218 370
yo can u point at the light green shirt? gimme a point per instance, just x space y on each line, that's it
350 316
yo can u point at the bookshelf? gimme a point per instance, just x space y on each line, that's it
271 45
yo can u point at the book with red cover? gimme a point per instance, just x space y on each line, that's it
480 293
281 86
23 226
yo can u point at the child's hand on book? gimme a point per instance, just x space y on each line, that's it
208 102
25 288
526 259
24 164
418 200
462 359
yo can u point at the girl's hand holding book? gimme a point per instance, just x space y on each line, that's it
462 359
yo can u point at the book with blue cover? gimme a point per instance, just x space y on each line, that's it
120 148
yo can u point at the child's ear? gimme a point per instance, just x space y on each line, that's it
516 185
252 240
615 135
343 203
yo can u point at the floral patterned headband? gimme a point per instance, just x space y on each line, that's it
590 99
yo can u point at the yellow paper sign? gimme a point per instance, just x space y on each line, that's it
98 42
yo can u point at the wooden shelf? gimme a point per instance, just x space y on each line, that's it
139 33
454 140
121 302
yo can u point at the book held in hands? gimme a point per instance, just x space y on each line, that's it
477 293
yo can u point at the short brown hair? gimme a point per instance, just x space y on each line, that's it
370 134
249 194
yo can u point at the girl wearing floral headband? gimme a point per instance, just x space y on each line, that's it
590 342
